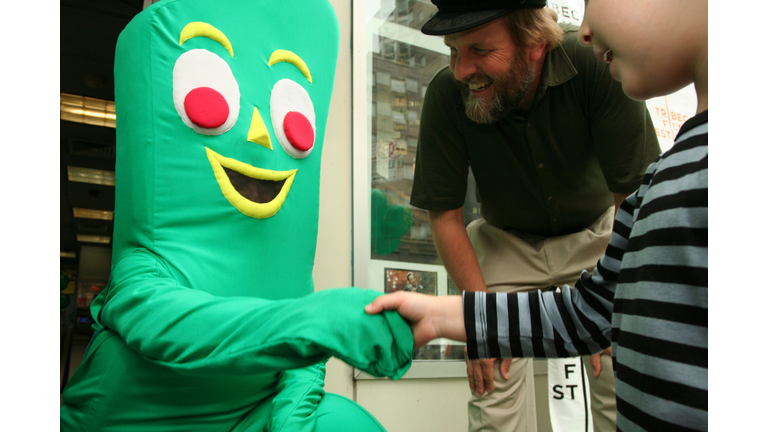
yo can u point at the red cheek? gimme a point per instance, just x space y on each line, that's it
206 107
298 130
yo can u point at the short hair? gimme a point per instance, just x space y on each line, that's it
529 26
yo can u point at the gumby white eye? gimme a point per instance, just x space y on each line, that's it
293 118
205 92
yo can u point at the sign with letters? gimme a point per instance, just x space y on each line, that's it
569 404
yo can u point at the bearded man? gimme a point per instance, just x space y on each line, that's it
554 145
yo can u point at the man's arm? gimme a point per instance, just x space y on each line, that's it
460 260
455 250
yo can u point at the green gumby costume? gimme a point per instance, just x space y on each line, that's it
210 321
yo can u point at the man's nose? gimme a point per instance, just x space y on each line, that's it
463 68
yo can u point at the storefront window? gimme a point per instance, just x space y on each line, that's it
400 61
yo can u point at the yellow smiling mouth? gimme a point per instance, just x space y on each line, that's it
266 190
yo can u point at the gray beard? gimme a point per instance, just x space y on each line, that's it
507 97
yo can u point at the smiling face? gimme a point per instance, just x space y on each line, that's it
206 96
221 109
493 73
649 48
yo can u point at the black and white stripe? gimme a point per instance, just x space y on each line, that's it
647 298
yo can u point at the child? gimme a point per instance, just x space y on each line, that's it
647 297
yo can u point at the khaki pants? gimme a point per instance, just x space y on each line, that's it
518 262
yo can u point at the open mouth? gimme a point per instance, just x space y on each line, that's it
479 86
256 192
253 189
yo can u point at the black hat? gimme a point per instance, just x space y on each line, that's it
454 16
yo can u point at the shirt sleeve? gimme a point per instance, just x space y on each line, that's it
442 166
623 134
548 324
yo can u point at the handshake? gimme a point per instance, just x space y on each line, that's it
430 317
433 317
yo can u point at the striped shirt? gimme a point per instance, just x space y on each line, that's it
647 298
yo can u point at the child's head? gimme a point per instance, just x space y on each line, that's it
654 47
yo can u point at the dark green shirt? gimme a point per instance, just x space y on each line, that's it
549 173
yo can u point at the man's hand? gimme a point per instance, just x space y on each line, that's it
597 363
480 373
430 317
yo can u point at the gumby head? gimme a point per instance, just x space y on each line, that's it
221 109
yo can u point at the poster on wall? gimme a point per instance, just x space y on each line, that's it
424 282
668 113
568 11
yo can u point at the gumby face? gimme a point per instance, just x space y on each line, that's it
220 119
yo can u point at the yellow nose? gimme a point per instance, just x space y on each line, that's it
258 132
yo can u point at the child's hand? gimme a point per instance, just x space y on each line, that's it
430 317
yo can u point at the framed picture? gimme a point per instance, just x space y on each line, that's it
424 282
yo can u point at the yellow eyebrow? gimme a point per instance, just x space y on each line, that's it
290 57
195 29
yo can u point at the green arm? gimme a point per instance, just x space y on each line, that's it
295 403
198 333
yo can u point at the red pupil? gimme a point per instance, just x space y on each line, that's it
206 107
299 131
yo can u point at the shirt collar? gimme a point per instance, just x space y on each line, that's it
557 68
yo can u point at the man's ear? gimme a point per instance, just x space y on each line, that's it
535 52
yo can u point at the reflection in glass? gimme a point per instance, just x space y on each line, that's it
401 62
